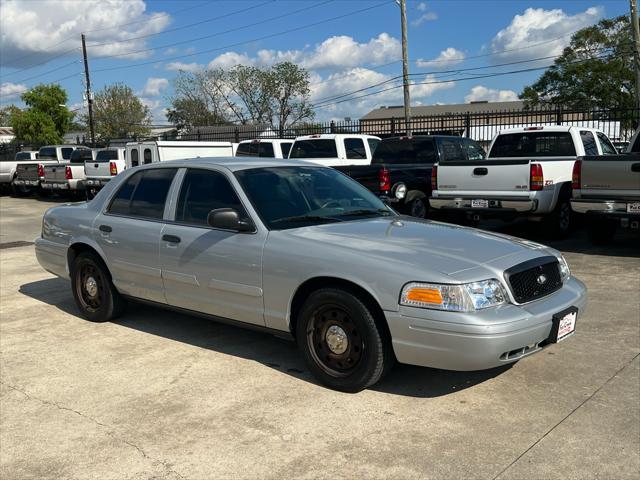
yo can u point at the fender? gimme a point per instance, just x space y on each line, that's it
83 239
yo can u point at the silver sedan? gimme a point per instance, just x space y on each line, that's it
285 246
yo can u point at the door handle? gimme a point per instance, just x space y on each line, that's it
635 167
171 238
480 171
105 228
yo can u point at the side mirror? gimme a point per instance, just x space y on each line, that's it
228 219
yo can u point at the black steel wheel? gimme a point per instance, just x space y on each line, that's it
418 208
342 344
93 290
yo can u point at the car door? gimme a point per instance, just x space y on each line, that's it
129 230
218 272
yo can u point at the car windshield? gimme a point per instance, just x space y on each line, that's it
289 197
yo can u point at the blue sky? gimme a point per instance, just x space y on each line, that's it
357 50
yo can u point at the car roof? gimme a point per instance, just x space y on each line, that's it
546 128
331 136
267 140
232 163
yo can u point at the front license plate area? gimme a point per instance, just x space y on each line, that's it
633 207
564 325
479 203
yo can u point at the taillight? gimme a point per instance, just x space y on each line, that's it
385 181
40 170
536 180
576 177
434 178
67 173
113 168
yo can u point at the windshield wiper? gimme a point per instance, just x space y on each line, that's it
305 218
383 211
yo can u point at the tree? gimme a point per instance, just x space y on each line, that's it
50 100
594 71
118 113
6 113
253 89
290 95
34 127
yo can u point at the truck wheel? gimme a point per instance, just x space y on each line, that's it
340 341
417 208
560 221
43 193
20 190
601 231
93 290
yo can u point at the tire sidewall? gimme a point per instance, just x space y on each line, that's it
107 308
418 208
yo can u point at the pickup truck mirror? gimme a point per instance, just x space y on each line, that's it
228 219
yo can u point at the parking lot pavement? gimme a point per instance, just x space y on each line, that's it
164 395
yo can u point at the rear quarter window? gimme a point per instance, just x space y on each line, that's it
588 142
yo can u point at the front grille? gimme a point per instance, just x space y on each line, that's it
534 279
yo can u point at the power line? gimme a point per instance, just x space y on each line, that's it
277 17
62 54
277 34
47 72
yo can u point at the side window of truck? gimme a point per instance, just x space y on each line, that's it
589 142
355 148
605 144
134 157
147 155
451 150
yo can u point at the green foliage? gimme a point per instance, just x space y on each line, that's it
6 113
118 113
594 71
35 127
289 86
48 99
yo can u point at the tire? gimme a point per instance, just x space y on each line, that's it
20 190
94 292
418 208
340 341
43 193
601 231
560 222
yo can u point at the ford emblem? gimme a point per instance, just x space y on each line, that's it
542 279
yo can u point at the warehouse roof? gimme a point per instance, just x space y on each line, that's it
397 111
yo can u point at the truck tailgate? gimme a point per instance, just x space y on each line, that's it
508 175
27 171
93 169
55 173
611 175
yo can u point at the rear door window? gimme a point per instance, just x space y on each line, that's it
355 148
451 150
144 194
533 144
405 151
588 142
320 148
605 144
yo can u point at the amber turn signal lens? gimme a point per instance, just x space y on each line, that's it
425 295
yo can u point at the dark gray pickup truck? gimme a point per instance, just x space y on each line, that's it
606 188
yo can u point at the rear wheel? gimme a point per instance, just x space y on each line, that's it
93 290
20 190
340 341
418 208
601 231
560 221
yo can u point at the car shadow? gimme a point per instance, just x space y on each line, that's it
271 351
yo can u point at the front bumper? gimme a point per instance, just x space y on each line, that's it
479 340
497 207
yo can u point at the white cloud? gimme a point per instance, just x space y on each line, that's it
425 17
154 87
480 93
422 7
447 58
10 90
230 59
156 108
35 32
186 67
552 28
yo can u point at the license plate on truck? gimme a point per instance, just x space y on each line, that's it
633 207
479 203
564 325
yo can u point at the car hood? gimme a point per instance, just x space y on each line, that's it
427 245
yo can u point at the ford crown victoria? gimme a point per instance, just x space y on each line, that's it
300 249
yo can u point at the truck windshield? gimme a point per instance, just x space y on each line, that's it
106 155
533 144
314 148
405 150
290 197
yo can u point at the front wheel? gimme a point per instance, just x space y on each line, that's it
93 290
340 341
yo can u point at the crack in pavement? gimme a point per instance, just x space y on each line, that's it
110 430
567 416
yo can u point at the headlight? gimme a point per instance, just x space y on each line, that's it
565 273
466 297
400 191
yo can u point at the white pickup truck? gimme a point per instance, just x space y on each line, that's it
68 176
527 172
8 170
98 172
31 175
264 147
335 149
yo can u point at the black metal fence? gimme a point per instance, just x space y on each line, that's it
618 123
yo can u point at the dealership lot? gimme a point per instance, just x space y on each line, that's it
163 395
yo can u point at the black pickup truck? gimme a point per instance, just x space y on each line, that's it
400 170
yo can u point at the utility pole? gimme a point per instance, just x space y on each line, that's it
636 47
89 94
405 67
